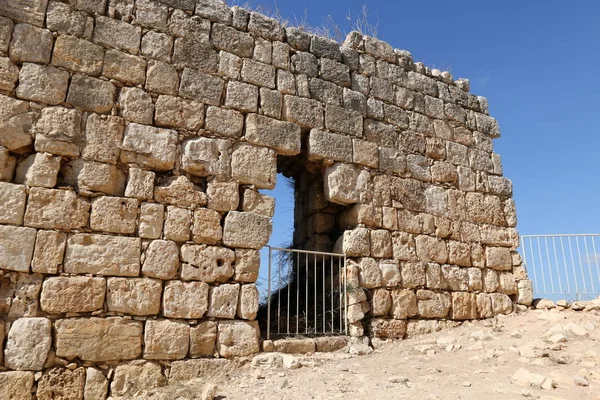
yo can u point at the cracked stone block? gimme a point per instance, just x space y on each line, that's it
58 131
206 157
345 183
175 112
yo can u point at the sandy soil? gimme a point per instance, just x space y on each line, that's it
540 354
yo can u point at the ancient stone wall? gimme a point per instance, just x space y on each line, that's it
134 138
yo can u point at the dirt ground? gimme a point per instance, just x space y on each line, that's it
538 354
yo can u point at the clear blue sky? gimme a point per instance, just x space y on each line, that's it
536 62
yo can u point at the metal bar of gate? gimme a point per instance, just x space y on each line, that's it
562 265
288 272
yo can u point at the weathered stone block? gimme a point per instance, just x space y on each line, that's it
7 165
174 112
307 113
177 224
91 94
78 55
12 203
345 183
162 260
137 296
207 263
232 40
103 136
498 258
387 329
205 157
151 14
55 209
247 263
179 191
39 169
258 203
77 294
284 137
356 242
369 273
16 384
58 131
152 216
206 226
140 184
501 303
114 214
223 196
152 147
246 230
404 304
237 338
325 145
27 345
202 87
270 102
102 255
247 307
30 44
157 45
166 340
133 378
432 304
431 249
223 301
118 34
98 339
161 78
464 306
226 122
63 19
381 301
49 251
39 83
20 294
254 165
203 339
96 385
136 105
185 299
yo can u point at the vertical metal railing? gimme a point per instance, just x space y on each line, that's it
306 293
562 266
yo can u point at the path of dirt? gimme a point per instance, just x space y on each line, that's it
539 354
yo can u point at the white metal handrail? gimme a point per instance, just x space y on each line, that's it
312 305
563 265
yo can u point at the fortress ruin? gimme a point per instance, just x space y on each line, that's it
134 139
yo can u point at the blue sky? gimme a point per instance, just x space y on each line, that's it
536 61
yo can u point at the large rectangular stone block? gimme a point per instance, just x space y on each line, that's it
12 203
326 145
206 157
56 209
133 296
237 338
58 131
102 255
185 299
166 340
77 294
115 33
284 137
103 136
78 55
42 83
246 230
16 247
91 94
305 112
153 147
254 165
98 339
114 214
207 263
202 87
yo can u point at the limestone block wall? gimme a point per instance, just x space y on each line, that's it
135 136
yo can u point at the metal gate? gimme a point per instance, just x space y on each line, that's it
563 266
306 293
